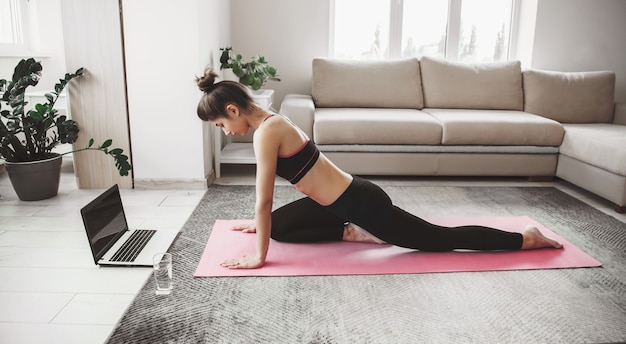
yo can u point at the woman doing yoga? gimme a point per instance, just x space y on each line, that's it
338 206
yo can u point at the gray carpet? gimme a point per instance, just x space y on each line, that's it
537 306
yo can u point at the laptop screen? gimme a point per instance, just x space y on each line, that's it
105 221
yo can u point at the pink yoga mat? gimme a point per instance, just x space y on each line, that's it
347 258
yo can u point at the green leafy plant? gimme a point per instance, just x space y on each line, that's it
254 73
32 134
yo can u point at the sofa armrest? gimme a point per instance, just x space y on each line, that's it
619 116
300 109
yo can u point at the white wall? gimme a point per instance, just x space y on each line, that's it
289 33
582 35
214 28
167 44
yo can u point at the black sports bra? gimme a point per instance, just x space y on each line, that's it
293 167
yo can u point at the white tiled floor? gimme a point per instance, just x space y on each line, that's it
50 290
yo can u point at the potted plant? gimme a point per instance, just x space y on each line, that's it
254 73
29 134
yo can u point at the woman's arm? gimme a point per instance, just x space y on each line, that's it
266 151
266 144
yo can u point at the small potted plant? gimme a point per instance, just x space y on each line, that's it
254 73
29 135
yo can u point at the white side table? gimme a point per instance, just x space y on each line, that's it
228 152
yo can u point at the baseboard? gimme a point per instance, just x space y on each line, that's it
540 179
168 184
210 179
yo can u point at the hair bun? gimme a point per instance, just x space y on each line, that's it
206 81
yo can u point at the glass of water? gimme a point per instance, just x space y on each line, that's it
163 273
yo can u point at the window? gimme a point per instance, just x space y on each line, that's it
485 27
18 27
424 28
10 27
462 30
361 29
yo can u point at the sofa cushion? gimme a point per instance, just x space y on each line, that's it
375 126
496 127
585 97
601 145
454 85
377 84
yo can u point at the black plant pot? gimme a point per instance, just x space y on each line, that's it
35 180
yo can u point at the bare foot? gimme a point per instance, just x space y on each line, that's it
533 238
352 232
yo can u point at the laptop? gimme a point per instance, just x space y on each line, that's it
112 242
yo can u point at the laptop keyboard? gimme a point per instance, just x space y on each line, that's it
131 248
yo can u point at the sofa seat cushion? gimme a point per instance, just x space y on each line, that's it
586 97
497 127
349 83
601 145
375 126
455 85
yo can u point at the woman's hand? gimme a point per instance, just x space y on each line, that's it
245 228
249 261
246 262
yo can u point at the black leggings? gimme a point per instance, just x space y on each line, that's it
368 206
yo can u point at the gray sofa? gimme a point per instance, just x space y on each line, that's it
440 118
